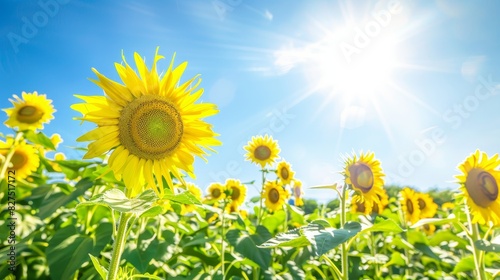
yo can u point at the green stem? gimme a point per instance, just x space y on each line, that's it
223 249
333 267
118 246
476 253
345 259
374 252
9 156
260 199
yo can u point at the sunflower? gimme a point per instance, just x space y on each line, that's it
216 191
479 185
196 192
365 176
30 112
378 207
274 195
56 139
54 164
238 191
426 205
150 123
298 192
409 203
24 160
262 150
429 229
448 206
359 206
285 173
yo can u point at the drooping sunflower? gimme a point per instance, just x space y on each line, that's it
274 195
30 112
378 207
216 191
365 176
238 191
151 124
409 203
359 206
298 193
426 205
262 150
285 173
24 161
479 182
196 192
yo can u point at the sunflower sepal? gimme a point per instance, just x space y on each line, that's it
118 201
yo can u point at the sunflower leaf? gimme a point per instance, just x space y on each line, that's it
118 201
435 221
487 246
384 226
185 197
39 138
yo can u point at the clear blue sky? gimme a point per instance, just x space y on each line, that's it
417 83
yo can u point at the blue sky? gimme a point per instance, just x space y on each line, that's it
417 83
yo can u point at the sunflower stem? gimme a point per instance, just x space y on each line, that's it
476 253
223 249
261 199
345 259
118 246
9 156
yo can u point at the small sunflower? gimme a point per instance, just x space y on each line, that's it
30 112
358 205
196 192
56 139
262 150
298 193
54 164
479 182
429 229
409 203
378 207
24 161
216 191
274 195
238 191
448 206
365 176
151 124
426 205
285 173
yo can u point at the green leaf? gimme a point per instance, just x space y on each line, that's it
141 253
487 246
331 187
384 226
185 197
296 214
152 212
417 237
465 264
424 248
39 138
58 200
255 199
435 221
447 236
324 240
116 200
273 221
291 238
396 259
103 272
247 245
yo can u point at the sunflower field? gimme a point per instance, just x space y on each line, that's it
127 209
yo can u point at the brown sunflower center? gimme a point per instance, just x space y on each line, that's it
482 187
360 207
18 160
151 127
284 173
262 153
421 204
216 193
361 176
409 206
235 194
274 195
29 114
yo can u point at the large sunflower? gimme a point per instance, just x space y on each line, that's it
365 176
274 195
24 161
409 203
151 123
30 112
285 173
238 191
262 150
479 182
216 191
426 205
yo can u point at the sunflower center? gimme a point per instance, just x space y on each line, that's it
482 187
297 191
409 206
421 203
361 207
18 160
29 114
216 193
361 177
262 152
235 194
274 195
284 173
150 127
